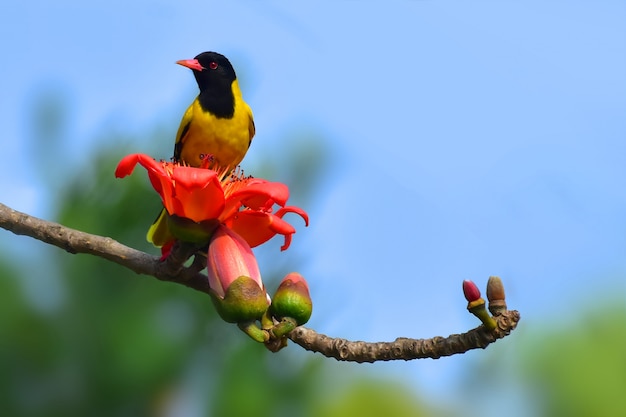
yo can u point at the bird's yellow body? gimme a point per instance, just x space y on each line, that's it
215 131
226 140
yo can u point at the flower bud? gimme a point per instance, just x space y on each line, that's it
470 291
476 305
292 299
495 295
495 289
237 290
243 302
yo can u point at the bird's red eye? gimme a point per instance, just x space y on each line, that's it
213 65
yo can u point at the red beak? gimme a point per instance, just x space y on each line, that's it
191 63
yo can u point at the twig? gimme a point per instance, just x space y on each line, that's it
172 269
404 348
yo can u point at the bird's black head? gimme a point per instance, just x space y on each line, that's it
215 76
213 71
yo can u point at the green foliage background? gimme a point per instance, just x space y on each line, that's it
112 343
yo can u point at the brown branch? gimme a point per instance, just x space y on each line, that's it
74 241
404 348
172 269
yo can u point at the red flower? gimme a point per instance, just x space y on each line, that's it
243 204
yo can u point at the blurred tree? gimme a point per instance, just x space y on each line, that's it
580 370
557 369
47 130
373 398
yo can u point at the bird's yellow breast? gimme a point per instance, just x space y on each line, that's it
202 134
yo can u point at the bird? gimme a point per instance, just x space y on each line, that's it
217 128
218 123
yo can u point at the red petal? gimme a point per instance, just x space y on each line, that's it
126 166
159 178
262 195
259 227
234 201
166 249
293 209
199 204
193 177
198 193
128 163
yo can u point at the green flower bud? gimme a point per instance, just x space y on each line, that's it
244 301
292 299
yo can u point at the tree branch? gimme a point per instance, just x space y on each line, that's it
74 241
404 348
172 269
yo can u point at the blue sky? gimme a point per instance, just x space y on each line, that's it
468 139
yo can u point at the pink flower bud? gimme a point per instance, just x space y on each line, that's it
470 290
237 290
230 257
